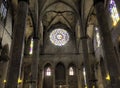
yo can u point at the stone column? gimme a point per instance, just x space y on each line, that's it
109 52
41 78
117 2
26 79
80 77
17 45
86 61
67 75
35 62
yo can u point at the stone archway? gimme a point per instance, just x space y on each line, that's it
60 75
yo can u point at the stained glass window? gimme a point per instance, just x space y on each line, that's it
31 47
114 12
59 37
48 72
84 75
71 71
98 37
3 10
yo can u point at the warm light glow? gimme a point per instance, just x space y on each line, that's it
93 86
4 81
71 71
19 81
60 86
86 87
108 77
48 72
114 12
31 47
59 37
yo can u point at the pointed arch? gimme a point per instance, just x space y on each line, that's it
72 76
71 69
60 74
48 70
48 78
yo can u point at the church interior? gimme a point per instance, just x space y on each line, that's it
59 44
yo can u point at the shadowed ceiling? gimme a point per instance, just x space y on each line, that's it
67 12
70 13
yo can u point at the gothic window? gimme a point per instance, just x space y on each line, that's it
98 37
31 47
84 75
71 71
3 10
48 71
113 12
59 37
48 79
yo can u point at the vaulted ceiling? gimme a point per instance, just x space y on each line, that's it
48 13
70 13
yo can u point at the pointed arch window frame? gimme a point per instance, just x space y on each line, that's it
71 71
48 71
114 12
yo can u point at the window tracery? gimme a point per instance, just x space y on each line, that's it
71 71
114 12
48 71
59 37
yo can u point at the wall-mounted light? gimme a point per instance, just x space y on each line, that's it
107 77
4 81
19 81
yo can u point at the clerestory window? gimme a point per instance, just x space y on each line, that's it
113 12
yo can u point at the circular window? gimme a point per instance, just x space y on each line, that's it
59 37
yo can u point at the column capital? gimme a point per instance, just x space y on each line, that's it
23 1
97 1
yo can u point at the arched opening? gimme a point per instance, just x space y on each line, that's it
48 77
71 71
72 77
60 74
